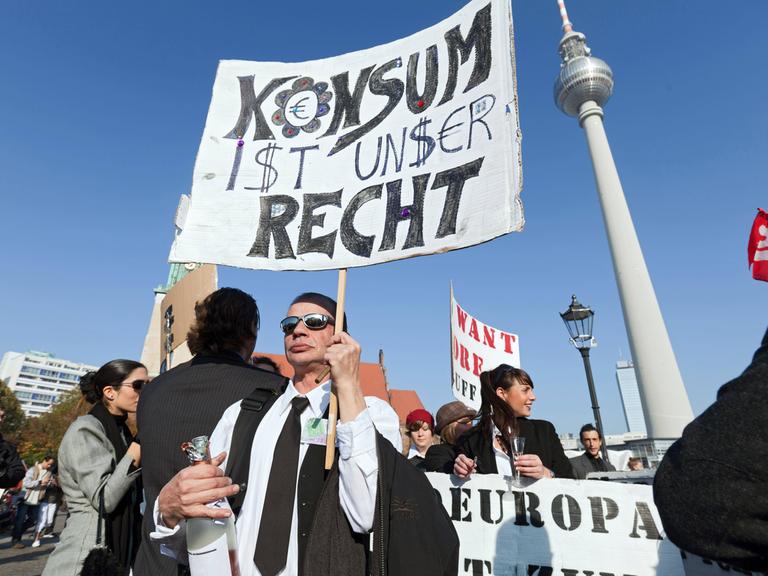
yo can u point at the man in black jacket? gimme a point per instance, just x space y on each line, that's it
11 466
591 460
710 488
189 400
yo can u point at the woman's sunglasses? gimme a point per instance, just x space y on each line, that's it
137 385
313 321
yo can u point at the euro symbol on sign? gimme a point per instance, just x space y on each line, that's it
299 107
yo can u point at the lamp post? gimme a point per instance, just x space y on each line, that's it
578 320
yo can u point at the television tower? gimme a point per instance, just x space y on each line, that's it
584 84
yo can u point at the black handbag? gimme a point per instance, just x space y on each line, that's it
101 561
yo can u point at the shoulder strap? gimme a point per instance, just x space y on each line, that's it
252 411
102 516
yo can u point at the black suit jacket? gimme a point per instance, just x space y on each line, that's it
540 439
583 465
185 402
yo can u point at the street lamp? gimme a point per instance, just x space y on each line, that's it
578 320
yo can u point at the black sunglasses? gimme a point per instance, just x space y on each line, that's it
137 385
313 321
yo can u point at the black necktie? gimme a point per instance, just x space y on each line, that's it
275 529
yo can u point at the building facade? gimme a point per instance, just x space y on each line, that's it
630 397
39 378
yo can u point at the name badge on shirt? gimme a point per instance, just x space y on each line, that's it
315 431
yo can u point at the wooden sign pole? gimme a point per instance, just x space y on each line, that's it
333 408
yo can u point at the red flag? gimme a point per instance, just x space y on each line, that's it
757 250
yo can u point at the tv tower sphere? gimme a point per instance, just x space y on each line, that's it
582 77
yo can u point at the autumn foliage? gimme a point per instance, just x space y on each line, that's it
42 435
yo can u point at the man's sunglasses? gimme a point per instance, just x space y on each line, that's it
137 385
313 321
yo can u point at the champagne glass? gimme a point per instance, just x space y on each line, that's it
517 443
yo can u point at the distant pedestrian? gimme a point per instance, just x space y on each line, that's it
35 483
98 462
49 503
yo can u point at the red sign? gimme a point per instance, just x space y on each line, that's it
757 250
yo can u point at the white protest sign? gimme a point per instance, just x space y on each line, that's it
562 528
401 150
475 348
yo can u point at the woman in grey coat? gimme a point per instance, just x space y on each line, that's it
98 455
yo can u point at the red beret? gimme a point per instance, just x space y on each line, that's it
420 415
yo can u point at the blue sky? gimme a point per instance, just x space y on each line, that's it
101 110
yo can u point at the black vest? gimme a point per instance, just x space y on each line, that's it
312 475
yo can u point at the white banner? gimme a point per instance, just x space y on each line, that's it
401 150
561 527
475 348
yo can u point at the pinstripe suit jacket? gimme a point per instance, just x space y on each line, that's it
178 405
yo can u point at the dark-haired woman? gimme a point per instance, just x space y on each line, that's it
98 456
507 397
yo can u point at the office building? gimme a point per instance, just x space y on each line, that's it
39 378
630 397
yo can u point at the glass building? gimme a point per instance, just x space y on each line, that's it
630 397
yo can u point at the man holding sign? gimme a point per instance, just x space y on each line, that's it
280 489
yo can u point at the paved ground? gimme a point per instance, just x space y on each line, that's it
27 561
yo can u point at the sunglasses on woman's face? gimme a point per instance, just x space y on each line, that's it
313 321
137 385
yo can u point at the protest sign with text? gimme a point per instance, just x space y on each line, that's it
405 149
561 528
475 348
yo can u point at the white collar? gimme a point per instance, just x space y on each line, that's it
319 397
414 452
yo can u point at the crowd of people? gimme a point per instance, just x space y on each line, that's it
129 498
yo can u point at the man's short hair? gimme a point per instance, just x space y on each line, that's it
321 300
224 321
265 361
48 457
589 428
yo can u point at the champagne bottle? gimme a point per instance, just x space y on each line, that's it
211 543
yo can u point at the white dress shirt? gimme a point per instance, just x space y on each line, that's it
503 461
358 471
413 451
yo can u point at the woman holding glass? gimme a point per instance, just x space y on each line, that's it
505 441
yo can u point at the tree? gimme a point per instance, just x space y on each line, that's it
42 435
12 425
